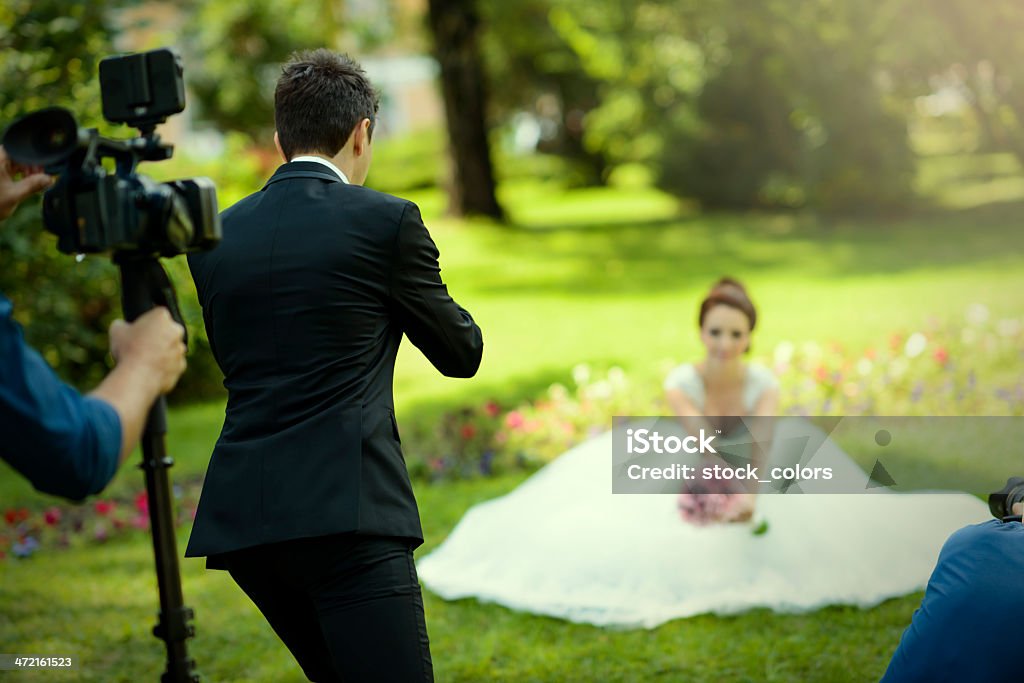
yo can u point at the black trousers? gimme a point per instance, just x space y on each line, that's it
348 607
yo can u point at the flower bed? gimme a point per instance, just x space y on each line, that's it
975 367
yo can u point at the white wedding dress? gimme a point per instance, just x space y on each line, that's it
561 544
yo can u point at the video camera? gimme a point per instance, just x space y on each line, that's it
1002 501
93 211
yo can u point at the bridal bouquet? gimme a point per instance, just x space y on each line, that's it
714 501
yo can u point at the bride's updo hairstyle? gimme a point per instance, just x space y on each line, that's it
729 292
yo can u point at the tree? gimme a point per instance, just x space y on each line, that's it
974 50
49 55
455 25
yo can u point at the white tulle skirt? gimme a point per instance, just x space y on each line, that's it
561 544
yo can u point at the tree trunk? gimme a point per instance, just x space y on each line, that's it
455 25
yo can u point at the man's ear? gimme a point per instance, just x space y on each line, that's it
277 143
361 137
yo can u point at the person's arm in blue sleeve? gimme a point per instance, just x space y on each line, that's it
64 443
70 445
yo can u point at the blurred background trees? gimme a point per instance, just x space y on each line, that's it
832 106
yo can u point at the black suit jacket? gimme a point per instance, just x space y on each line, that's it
305 302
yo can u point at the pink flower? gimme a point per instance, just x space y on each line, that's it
52 516
492 408
142 503
514 420
140 522
104 507
941 355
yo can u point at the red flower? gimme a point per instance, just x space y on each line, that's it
142 503
514 420
492 408
821 373
468 432
104 507
14 516
941 355
52 516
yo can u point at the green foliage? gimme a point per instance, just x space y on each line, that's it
793 112
733 104
49 51
240 46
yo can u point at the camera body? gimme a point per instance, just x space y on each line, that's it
1001 502
92 210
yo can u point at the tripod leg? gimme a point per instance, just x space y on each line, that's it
145 283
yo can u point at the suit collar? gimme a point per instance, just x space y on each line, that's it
302 169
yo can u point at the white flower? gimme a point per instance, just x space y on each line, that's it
617 376
977 314
601 389
864 366
968 336
811 350
581 374
1008 327
558 392
915 345
784 352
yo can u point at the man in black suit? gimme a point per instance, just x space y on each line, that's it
307 501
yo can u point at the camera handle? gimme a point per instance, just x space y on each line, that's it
144 285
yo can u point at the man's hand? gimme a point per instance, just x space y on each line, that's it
155 343
13 191
150 354
1018 508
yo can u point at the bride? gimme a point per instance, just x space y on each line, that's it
562 544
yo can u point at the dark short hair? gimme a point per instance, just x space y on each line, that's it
320 98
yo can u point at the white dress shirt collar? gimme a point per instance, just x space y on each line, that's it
325 162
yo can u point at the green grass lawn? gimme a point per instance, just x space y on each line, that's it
98 603
601 276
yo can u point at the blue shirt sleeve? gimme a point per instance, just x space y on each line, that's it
64 443
968 625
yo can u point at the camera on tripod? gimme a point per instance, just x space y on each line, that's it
91 210
1001 502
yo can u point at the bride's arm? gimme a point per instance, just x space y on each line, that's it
688 414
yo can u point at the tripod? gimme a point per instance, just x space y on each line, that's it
144 285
